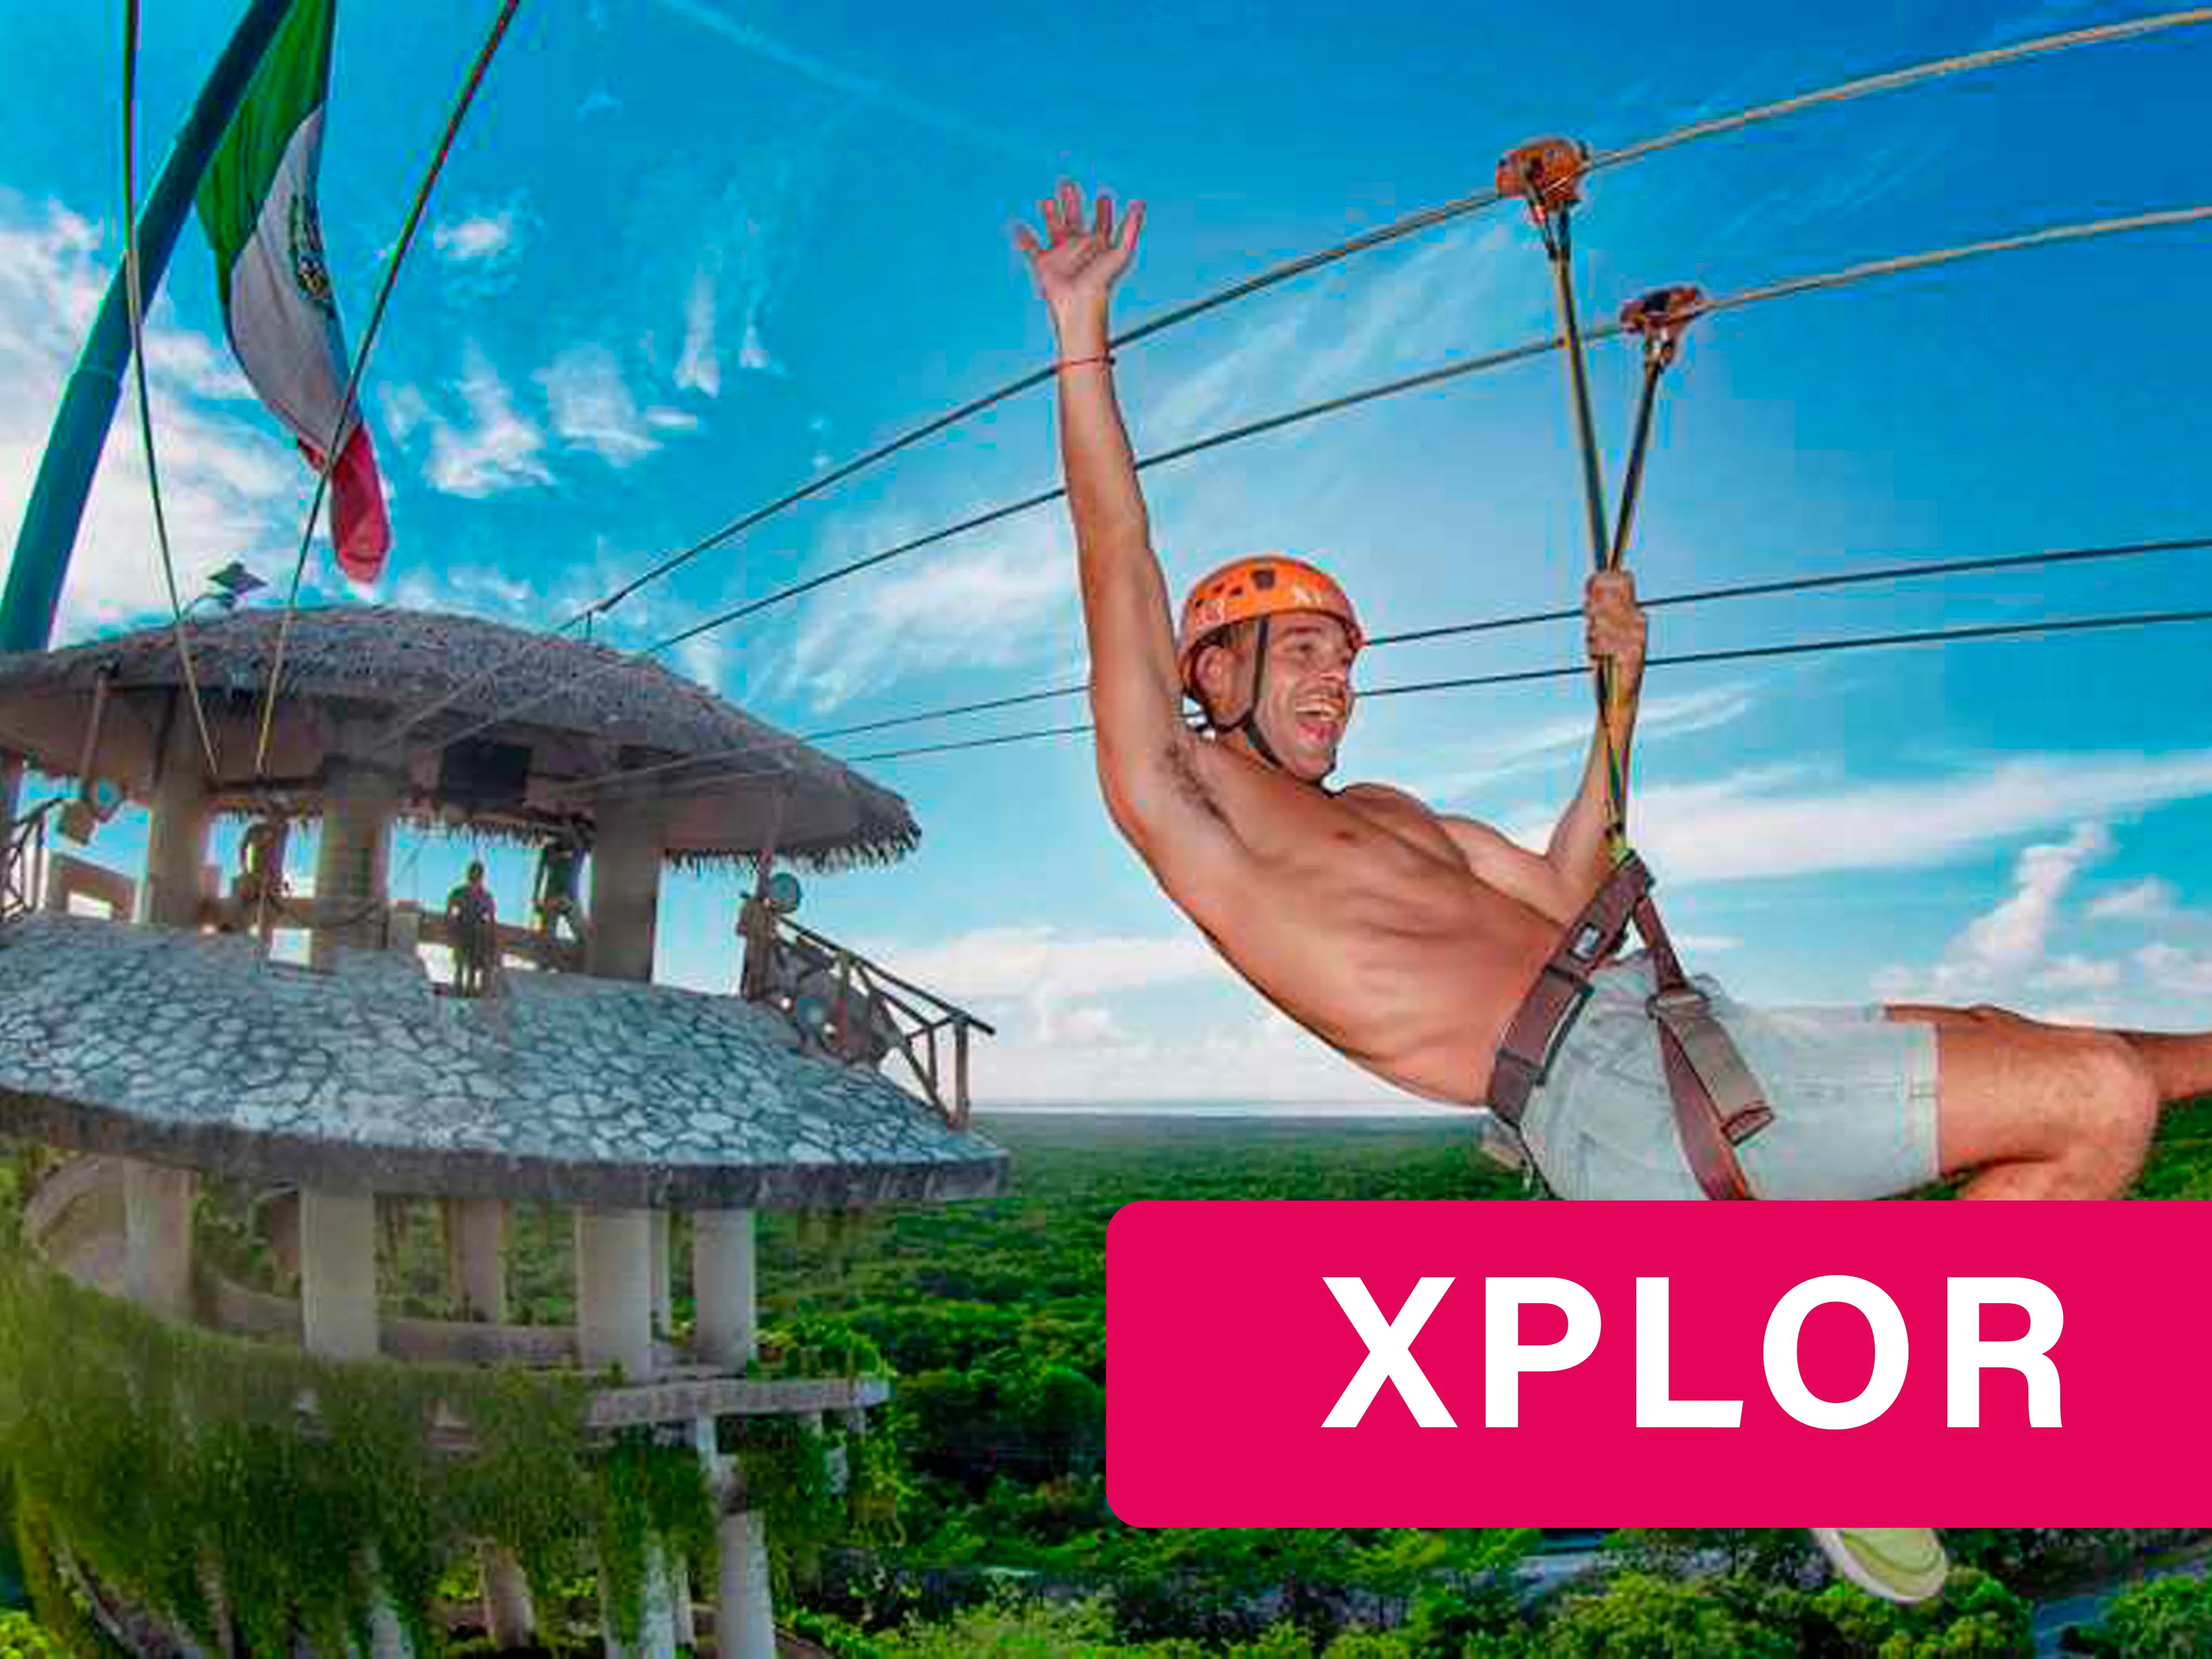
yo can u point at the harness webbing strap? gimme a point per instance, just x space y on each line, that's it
1718 1103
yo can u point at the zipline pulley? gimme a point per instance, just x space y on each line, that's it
1660 317
1547 174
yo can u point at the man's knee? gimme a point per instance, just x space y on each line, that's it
2116 1098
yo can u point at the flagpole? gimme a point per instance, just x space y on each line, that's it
48 535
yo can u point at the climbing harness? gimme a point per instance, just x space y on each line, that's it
1718 1104
1244 590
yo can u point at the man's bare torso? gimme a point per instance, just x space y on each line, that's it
1358 916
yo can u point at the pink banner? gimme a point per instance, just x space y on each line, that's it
1442 1364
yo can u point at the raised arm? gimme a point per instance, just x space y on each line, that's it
1136 699
1559 881
1614 629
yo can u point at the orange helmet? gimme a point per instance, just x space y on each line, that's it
1266 586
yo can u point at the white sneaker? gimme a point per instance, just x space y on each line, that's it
1899 1564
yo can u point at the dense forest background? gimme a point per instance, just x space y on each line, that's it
992 1317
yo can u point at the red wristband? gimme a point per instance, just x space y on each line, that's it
1078 362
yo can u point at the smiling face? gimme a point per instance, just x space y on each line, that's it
1305 694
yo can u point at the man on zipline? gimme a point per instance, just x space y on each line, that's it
1413 942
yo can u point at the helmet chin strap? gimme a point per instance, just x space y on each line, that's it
1249 726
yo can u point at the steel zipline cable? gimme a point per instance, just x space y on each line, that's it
1581 670
135 300
346 402
1827 280
1395 230
1829 580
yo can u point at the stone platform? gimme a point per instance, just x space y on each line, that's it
193 1049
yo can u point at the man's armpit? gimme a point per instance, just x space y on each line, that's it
1189 788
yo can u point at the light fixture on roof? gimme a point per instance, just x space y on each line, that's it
227 586
233 583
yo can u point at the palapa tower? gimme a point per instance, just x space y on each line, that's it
156 1051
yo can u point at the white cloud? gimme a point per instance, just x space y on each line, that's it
473 590
2149 900
1035 961
1566 741
2186 972
2009 939
231 487
753 353
707 659
498 448
2003 956
592 408
699 370
2076 974
481 250
1769 822
1067 1028
1001 603
473 240
1356 322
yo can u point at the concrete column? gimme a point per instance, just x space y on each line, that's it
625 889
337 1309
476 1257
614 1292
337 1274
157 1226
727 1335
745 1618
354 856
664 1285
722 1286
476 1271
177 830
614 1326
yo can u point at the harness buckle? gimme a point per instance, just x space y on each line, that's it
1678 1001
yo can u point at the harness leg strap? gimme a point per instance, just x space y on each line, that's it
1718 1103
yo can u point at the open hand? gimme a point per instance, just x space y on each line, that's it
1078 263
1614 627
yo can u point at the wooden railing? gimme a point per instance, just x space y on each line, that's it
871 1012
23 862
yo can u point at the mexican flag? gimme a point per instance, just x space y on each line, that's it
257 204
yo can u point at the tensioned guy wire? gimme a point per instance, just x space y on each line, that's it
135 300
1744 653
1909 572
1784 288
1427 218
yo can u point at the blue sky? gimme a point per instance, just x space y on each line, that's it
689 252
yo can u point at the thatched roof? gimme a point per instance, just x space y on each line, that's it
580 710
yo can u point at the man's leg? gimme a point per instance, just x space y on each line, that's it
2050 1111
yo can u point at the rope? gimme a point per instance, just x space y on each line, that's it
1867 86
1396 230
346 410
1294 416
1966 250
1484 625
136 302
1933 636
